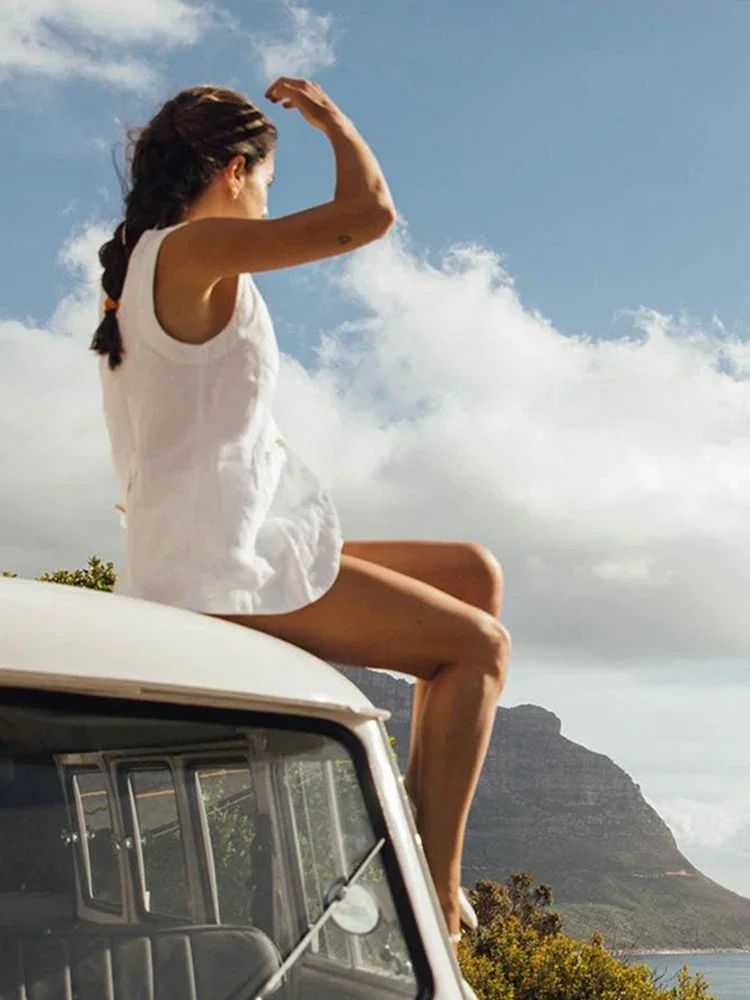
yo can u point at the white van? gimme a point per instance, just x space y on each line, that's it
190 810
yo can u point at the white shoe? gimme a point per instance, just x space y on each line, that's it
467 990
466 910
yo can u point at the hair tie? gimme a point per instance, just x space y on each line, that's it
110 305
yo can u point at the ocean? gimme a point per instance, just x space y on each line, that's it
728 974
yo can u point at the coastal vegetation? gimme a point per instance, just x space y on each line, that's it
519 952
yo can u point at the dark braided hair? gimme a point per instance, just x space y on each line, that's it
172 161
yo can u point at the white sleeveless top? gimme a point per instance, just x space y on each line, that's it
220 515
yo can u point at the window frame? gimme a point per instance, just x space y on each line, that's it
82 855
126 767
191 765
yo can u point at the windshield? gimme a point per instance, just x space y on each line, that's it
143 844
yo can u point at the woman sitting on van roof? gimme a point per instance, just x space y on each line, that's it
221 516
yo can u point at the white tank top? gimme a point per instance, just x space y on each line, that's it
220 515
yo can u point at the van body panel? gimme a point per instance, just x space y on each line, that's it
97 641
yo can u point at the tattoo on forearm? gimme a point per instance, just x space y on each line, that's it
344 239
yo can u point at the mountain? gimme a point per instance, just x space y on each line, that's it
577 822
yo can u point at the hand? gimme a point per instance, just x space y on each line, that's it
309 98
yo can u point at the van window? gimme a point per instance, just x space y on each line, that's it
228 800
161 852
334 835
320 862
97 838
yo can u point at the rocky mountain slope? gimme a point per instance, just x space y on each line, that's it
576 821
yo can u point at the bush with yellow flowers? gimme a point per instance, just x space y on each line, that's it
519 952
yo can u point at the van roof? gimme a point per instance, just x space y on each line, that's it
71 638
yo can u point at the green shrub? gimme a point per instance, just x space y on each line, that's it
97 576
519 952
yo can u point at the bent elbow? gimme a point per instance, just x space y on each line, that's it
383 218
366 221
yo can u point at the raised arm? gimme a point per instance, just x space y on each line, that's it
361 211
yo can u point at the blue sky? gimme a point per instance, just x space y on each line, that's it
601 147
548 354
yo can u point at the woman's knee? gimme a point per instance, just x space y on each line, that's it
493 648
486 577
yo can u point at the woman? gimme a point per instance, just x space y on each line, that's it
222 518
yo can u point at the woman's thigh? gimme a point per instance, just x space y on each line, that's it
375 616
467 571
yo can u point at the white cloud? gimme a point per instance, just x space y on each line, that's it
611 478
308 50
708 824
625 569
714 834
68 39
57 493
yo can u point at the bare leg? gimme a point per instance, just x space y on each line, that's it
464 570
412 773
374 616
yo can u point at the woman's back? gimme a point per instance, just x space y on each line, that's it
221 517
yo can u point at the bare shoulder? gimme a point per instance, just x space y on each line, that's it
179 249
190 307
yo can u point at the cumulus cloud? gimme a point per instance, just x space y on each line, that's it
714 834
307 50
709 824
611 477
93 39
56 490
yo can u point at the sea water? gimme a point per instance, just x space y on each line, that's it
727 973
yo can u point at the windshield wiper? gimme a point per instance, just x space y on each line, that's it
275 980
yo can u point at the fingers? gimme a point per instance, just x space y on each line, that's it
275 91
287 86
280 93
304 95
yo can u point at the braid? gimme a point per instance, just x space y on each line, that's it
174 158
113 257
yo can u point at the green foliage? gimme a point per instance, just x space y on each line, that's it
231 810
496 904
97 576
519 952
